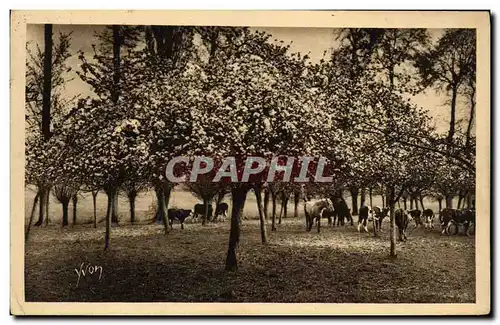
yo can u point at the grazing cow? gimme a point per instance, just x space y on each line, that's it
379 214
402 219
178 214
315 209
342 212
199 209
221 209
364 213
428 218
416 215
449 217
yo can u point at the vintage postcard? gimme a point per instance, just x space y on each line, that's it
250 163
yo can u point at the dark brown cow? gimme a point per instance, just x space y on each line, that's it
221 210
178 214
342 212
402 219
428 215
199 209
416 215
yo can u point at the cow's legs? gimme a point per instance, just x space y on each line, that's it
182 224
319 221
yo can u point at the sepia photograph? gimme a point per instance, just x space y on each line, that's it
328 159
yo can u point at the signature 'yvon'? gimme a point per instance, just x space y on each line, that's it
88 269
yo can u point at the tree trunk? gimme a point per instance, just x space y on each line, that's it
47 84
460 197
266 203
167 191
383 200
33 210
65 216
421 199
163 192
47 205
390 197
371 196
449 201
262 220
94 198
41 210
285 209
469 201
205 214
239 194
220 197
296 200
74 199
451 132
354 195
404 203
114 211
273 216
161 212
411 203
440 204
131 200
107 234
363 198
471 115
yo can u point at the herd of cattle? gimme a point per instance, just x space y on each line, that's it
337 212
199 210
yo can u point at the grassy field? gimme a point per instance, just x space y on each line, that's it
337 265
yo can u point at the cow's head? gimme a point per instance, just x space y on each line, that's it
329 204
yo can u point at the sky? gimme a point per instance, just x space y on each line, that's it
314 41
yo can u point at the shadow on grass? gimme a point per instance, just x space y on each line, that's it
336 266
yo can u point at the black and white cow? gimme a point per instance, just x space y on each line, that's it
402 219
314 210
221 210
178 214
428 215
379 214
416 215
364 214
